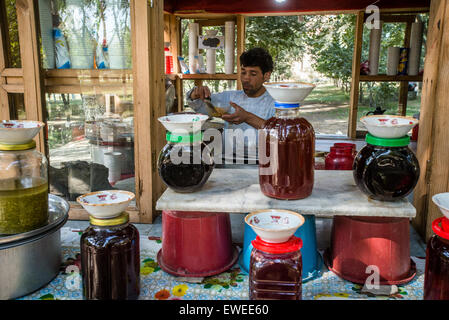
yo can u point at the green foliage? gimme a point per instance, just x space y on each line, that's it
14 47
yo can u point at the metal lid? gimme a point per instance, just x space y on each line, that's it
384 142
18 147
121 219
58 213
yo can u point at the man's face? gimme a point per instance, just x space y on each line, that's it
252 79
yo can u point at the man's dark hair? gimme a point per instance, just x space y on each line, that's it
257 57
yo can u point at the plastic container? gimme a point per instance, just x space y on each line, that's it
168 61
196 244
286 160
23 188
311 258
360 242
110 259
352 146
185 163
386 169
276 270
339 158
436 276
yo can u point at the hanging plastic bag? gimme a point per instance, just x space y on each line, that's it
62 52
101 56
184 68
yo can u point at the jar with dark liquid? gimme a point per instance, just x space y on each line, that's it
110 259
185 163
275 270
286 158
386 169
436 276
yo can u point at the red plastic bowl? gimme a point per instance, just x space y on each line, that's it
196 244
359 242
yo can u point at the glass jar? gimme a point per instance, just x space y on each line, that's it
275 270
386 169
286 161
339 158
110 259
351 146
436 276
185 163
23 188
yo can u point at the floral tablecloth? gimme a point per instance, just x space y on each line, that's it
231 285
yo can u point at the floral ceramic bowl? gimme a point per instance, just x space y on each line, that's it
442 202
106 204
183 123
388 126
19 131
273 225
289 92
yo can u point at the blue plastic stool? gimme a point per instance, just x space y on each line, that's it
311 258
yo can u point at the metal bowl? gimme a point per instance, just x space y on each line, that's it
30 260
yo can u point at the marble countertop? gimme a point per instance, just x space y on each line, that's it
238 191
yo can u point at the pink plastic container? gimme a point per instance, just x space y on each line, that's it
359 242
196 244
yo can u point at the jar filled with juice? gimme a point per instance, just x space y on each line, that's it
286 154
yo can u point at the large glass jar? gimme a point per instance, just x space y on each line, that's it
275 270
110 259
436 276
386 169
185 163
23 188
286 154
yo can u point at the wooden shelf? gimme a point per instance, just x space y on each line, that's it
384 77
203 76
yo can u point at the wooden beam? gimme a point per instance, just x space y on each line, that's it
4 58
357 53
28 24
241 29
403 87
433 140
147 23
387 78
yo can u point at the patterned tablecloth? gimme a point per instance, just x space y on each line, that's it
230 285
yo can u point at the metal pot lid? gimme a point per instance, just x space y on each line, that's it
58 213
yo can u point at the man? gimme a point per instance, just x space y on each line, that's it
252 105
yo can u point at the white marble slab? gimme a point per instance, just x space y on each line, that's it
237 190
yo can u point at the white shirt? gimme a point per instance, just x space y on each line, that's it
262 106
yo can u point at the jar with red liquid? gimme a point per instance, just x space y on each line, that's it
286 154
351 146
276 270
339 158
436 276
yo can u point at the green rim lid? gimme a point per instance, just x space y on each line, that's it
385 142
180 138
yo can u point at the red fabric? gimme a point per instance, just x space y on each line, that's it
262 6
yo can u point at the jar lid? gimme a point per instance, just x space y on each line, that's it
18 147
281 105
291 245
442 231
121 219
180 138
384 142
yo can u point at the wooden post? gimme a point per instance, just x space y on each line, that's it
403 87
147 23
354 99
4 59
240 46
433 140
28 24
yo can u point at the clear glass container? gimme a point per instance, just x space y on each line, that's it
276 270
185 163
110 259
23 188
289 171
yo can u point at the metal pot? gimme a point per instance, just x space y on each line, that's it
30 260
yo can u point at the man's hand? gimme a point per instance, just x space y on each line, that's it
240 115
200 92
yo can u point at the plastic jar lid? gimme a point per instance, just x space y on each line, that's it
281 105
293 244
179 138
18 147
121 219
443 230
384 142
